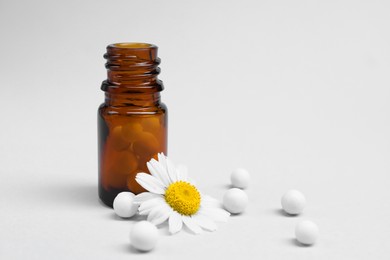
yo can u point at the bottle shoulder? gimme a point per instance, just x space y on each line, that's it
163 107
106 110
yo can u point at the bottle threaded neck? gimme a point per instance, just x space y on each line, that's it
132 68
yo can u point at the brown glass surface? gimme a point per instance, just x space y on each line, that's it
132 122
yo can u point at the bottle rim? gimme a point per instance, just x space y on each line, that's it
132 45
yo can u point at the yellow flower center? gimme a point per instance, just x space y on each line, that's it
183 198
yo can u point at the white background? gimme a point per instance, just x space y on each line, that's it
295 91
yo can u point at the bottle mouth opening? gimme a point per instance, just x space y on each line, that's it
132 45
129 56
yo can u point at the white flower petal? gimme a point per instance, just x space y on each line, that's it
168 165
219 215
144 196
208 201
161 159
148 205
144 212
191 224
158 166
171 170
162 216
157 172
175 222
159 214
150 183
182 172
155 212
204 222
192 181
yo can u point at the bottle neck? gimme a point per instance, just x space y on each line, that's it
139 100
132 68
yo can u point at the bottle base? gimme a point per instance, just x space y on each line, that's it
107 197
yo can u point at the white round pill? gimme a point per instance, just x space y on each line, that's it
235 200
240 178
293 202
144 236
123 205
306 232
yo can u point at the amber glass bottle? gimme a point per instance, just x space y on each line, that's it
132 122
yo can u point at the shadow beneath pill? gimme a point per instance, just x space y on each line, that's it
224 187
234 215
281 212
295 242
227 186
129 248
135 218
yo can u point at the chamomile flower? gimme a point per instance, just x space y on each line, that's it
171 196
